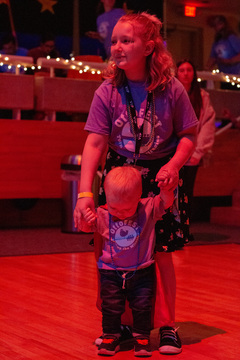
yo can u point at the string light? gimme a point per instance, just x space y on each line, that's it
216 75
16 63
94 69
24 63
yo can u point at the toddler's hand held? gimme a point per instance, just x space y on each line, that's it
90 216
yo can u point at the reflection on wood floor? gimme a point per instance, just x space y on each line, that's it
48 308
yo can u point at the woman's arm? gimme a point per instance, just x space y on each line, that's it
206 130
93 151
233 60
167 176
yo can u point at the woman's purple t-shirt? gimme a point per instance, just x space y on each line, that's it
173 114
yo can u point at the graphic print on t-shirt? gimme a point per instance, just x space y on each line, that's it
126 139
103 29
125 234
221 51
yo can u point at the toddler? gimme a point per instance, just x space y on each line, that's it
126 266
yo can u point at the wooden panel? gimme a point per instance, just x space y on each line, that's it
60 94
16 91
222 99
31 154
222 176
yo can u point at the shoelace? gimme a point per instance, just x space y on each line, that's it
169 334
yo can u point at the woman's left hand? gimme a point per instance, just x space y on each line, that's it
167 177
193 161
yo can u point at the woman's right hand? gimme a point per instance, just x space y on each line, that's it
167 177
81 209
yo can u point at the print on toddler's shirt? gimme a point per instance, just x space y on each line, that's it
125 234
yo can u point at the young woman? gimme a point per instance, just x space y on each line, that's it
186 73
107 16
142 113
225 52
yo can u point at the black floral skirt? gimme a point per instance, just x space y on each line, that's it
172 232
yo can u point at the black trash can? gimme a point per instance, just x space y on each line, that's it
70 176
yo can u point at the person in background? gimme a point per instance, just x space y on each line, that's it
126 265
46 48
235 120
225 52
200 100
9 47
144 115
107 18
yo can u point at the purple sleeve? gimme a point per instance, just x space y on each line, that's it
99 118
235 43
212 53
184 116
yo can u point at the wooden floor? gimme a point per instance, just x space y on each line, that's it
47 306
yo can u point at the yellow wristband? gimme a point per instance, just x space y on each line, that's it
85 194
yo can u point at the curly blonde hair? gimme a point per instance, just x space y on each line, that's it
159 63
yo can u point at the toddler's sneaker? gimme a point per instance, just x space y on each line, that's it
126 335
109 346
142 346
170 342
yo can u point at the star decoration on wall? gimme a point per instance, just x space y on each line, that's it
47 5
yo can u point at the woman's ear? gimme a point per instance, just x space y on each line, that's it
149 47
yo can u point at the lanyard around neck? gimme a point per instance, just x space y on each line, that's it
132 115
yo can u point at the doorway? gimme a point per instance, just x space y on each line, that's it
186 42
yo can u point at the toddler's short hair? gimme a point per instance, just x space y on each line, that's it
123 182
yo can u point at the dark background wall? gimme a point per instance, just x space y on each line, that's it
30 22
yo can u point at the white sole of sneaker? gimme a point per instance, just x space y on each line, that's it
110 353
142 354
168 350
